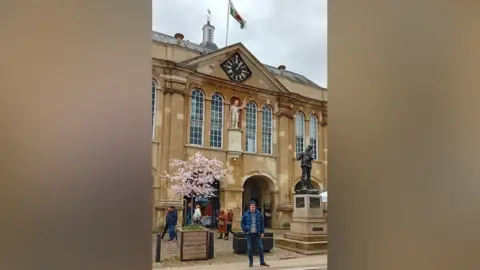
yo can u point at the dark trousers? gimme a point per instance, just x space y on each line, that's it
171 232
165 228
229 229
306 171
254 238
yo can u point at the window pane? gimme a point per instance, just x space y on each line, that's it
196 117
267 130
299 133
216 121
313 135
251 127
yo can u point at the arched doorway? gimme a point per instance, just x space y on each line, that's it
210 206
259 188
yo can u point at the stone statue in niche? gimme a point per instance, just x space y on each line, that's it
306 158
235 109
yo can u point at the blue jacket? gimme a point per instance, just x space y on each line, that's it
247 222
172 218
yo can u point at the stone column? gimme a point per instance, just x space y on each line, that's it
166 142
324 142
157 220
243 126
233 200
284 149
274 204
226 124
175 86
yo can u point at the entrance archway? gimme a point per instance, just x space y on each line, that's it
259 188
210 206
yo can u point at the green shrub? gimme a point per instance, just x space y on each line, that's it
193 227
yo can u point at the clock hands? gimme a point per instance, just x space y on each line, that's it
236 69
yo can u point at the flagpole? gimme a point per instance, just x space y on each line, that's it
228 22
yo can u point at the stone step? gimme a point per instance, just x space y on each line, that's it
308 248
304 237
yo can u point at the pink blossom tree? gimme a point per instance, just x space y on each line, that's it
195 176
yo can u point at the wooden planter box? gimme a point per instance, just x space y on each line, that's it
193 245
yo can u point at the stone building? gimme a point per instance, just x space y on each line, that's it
193 87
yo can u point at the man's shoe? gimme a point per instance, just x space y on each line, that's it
250 265
264 264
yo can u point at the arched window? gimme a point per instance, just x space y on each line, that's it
196 117
251 127
154 106
313 134
299 133
267 130
216 121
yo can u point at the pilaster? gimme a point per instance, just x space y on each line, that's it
175 86
284 148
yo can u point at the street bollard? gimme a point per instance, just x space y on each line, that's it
158 247
211 251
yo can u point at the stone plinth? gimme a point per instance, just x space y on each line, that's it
234 142
308 215
308 229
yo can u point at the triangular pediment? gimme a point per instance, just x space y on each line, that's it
211 64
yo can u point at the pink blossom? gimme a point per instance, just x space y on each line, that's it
195 176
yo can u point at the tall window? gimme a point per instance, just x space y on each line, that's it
299 133
251 127
216 121
313 134
196 117
154 106
267 130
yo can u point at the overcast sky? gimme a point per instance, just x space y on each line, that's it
292 33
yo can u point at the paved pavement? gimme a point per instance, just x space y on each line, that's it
317 262
223 254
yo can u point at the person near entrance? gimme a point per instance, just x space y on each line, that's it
188 214
222 223
197 215
254 229
229 223
172 218
165 227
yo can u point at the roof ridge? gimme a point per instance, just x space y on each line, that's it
204 50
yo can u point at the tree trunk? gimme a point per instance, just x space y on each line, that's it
191 210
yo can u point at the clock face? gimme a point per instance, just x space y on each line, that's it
236 69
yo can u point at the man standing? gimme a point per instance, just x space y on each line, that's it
165 227
188 214
172 218
254 229
229 223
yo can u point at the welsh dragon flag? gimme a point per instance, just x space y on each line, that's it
236 15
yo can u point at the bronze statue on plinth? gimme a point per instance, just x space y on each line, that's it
306 158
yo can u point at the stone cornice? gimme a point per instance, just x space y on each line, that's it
196 79
199 78
175 82
157 63
324 113
298 99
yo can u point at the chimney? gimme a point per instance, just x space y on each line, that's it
179 38
281 68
